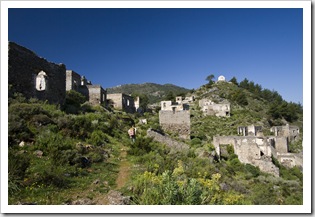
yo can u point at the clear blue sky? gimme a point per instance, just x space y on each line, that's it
178 46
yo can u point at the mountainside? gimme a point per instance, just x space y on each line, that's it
155 92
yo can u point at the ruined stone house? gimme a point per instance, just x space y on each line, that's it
34 76
95 94
208 107
250 130
137 104
291 132
175 117
186 100
122 102
258 150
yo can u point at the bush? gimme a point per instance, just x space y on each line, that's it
18 164
252 169
196 142
97 138
141 146
73 102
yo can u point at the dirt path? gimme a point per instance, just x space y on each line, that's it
124 169
122 178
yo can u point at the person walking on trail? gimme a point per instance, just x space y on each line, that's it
132 133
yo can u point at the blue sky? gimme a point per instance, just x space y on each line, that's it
178 46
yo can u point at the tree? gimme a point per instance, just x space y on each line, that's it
234 81
169 96
210 79
244 84
239 97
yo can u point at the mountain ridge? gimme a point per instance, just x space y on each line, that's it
155 92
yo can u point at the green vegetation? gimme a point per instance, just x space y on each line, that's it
154 92
57 153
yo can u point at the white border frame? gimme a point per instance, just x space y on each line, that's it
305 208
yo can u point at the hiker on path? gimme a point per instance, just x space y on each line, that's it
132 133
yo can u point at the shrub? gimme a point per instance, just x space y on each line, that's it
252 169
97 138
73 102
141 146
18 164
196 142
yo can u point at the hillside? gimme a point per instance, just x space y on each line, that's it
81 154
155 92
248 106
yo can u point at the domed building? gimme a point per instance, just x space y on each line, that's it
221 78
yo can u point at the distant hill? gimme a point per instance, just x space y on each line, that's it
155 92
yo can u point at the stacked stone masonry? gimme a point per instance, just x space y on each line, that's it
218 109
34 76
122 101
173 144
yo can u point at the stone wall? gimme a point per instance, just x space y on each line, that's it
176 122
97 95
210 108
250 149
73 80
291 132
122 101
34 76
173 144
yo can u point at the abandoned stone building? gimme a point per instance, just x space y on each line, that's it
250 130
208 107
175 117
257 150
95 94
291 132
122 102
186 100
34 76
137 105
173 106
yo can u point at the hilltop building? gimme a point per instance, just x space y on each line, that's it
221 78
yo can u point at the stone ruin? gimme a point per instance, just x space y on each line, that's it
257 150
208 107
250 130
291 132
34 76
95 94
123 102
175 117
174 145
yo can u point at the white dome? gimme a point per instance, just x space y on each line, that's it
221 78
